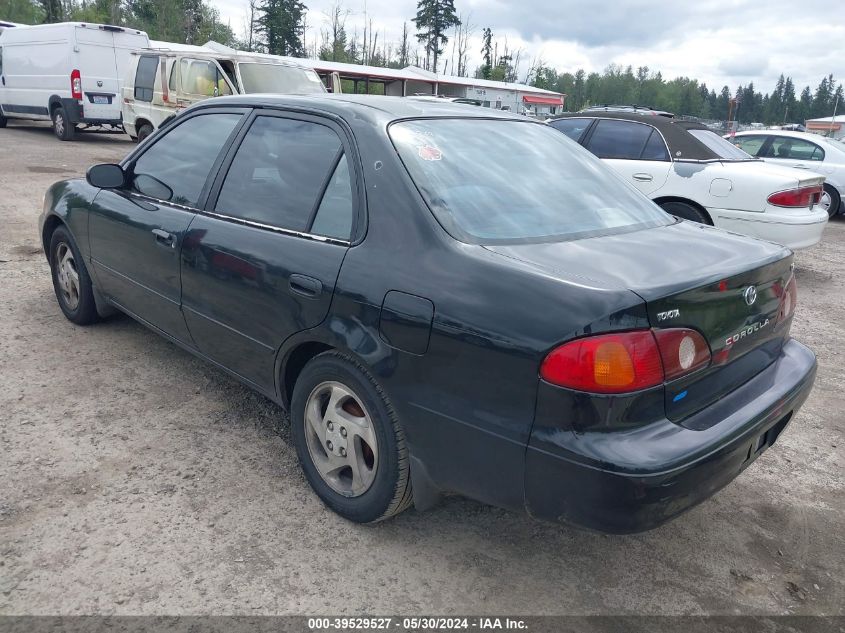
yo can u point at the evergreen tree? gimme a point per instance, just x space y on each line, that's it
487 53
434 19
282 23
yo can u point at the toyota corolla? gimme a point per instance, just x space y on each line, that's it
445 300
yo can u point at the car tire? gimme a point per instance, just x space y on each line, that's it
62 127
71 281
360 429
3 120
835 200
685 211
144 131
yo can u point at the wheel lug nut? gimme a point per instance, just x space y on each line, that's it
329 445
331 426
343 452
343 431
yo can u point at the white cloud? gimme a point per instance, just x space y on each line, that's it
717 41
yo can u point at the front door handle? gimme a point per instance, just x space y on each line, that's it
164 238
305 286
643 177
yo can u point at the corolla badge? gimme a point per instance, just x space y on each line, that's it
750 295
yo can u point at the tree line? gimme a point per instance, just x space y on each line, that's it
280 27
617 85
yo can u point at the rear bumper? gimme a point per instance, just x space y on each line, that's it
797 229
635 479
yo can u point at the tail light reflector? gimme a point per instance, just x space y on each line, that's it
76 84
788 300
625 361
803 197
683 351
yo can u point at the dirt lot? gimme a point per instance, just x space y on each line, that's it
138 480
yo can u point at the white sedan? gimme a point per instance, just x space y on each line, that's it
695 174
804 151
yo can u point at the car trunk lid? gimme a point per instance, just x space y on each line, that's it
692 276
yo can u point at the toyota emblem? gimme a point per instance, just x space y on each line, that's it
750 295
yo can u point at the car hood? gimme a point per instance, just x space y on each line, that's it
653 262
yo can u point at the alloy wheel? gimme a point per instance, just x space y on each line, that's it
825 201
60 124
67 276
341 439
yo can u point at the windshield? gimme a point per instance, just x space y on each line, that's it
722 148
500 181
278 78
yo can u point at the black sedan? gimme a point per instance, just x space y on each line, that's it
445 299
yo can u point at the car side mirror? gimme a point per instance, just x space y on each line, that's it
106 176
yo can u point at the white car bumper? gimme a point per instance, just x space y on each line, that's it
795 228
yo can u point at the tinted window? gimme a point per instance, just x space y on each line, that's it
176 167
145 78
202 77
749 144
619 139
573 128
334 216
794 149
492 181
655 148
279 172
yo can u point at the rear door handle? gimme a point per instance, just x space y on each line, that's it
164 238
643 177
801 167
305 286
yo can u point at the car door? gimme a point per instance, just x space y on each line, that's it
136 232
635 150
261 262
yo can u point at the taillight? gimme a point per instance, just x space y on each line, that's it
803 197
75 84
625 361
683 351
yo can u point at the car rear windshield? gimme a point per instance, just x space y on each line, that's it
500 181
722 148
278 78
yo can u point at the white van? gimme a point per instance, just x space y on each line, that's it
164 79
69 73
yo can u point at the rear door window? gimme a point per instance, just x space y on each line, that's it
145 77
619 139
573 128
176 168
795 149
290 174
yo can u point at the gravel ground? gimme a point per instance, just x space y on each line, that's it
139 480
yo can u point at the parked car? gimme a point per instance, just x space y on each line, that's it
804 151
445 99
8 25
631 109
445 299
160 82
68 73
695 174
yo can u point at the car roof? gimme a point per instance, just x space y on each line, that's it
682 145
369 107
790 133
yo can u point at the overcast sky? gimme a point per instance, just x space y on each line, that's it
716 41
